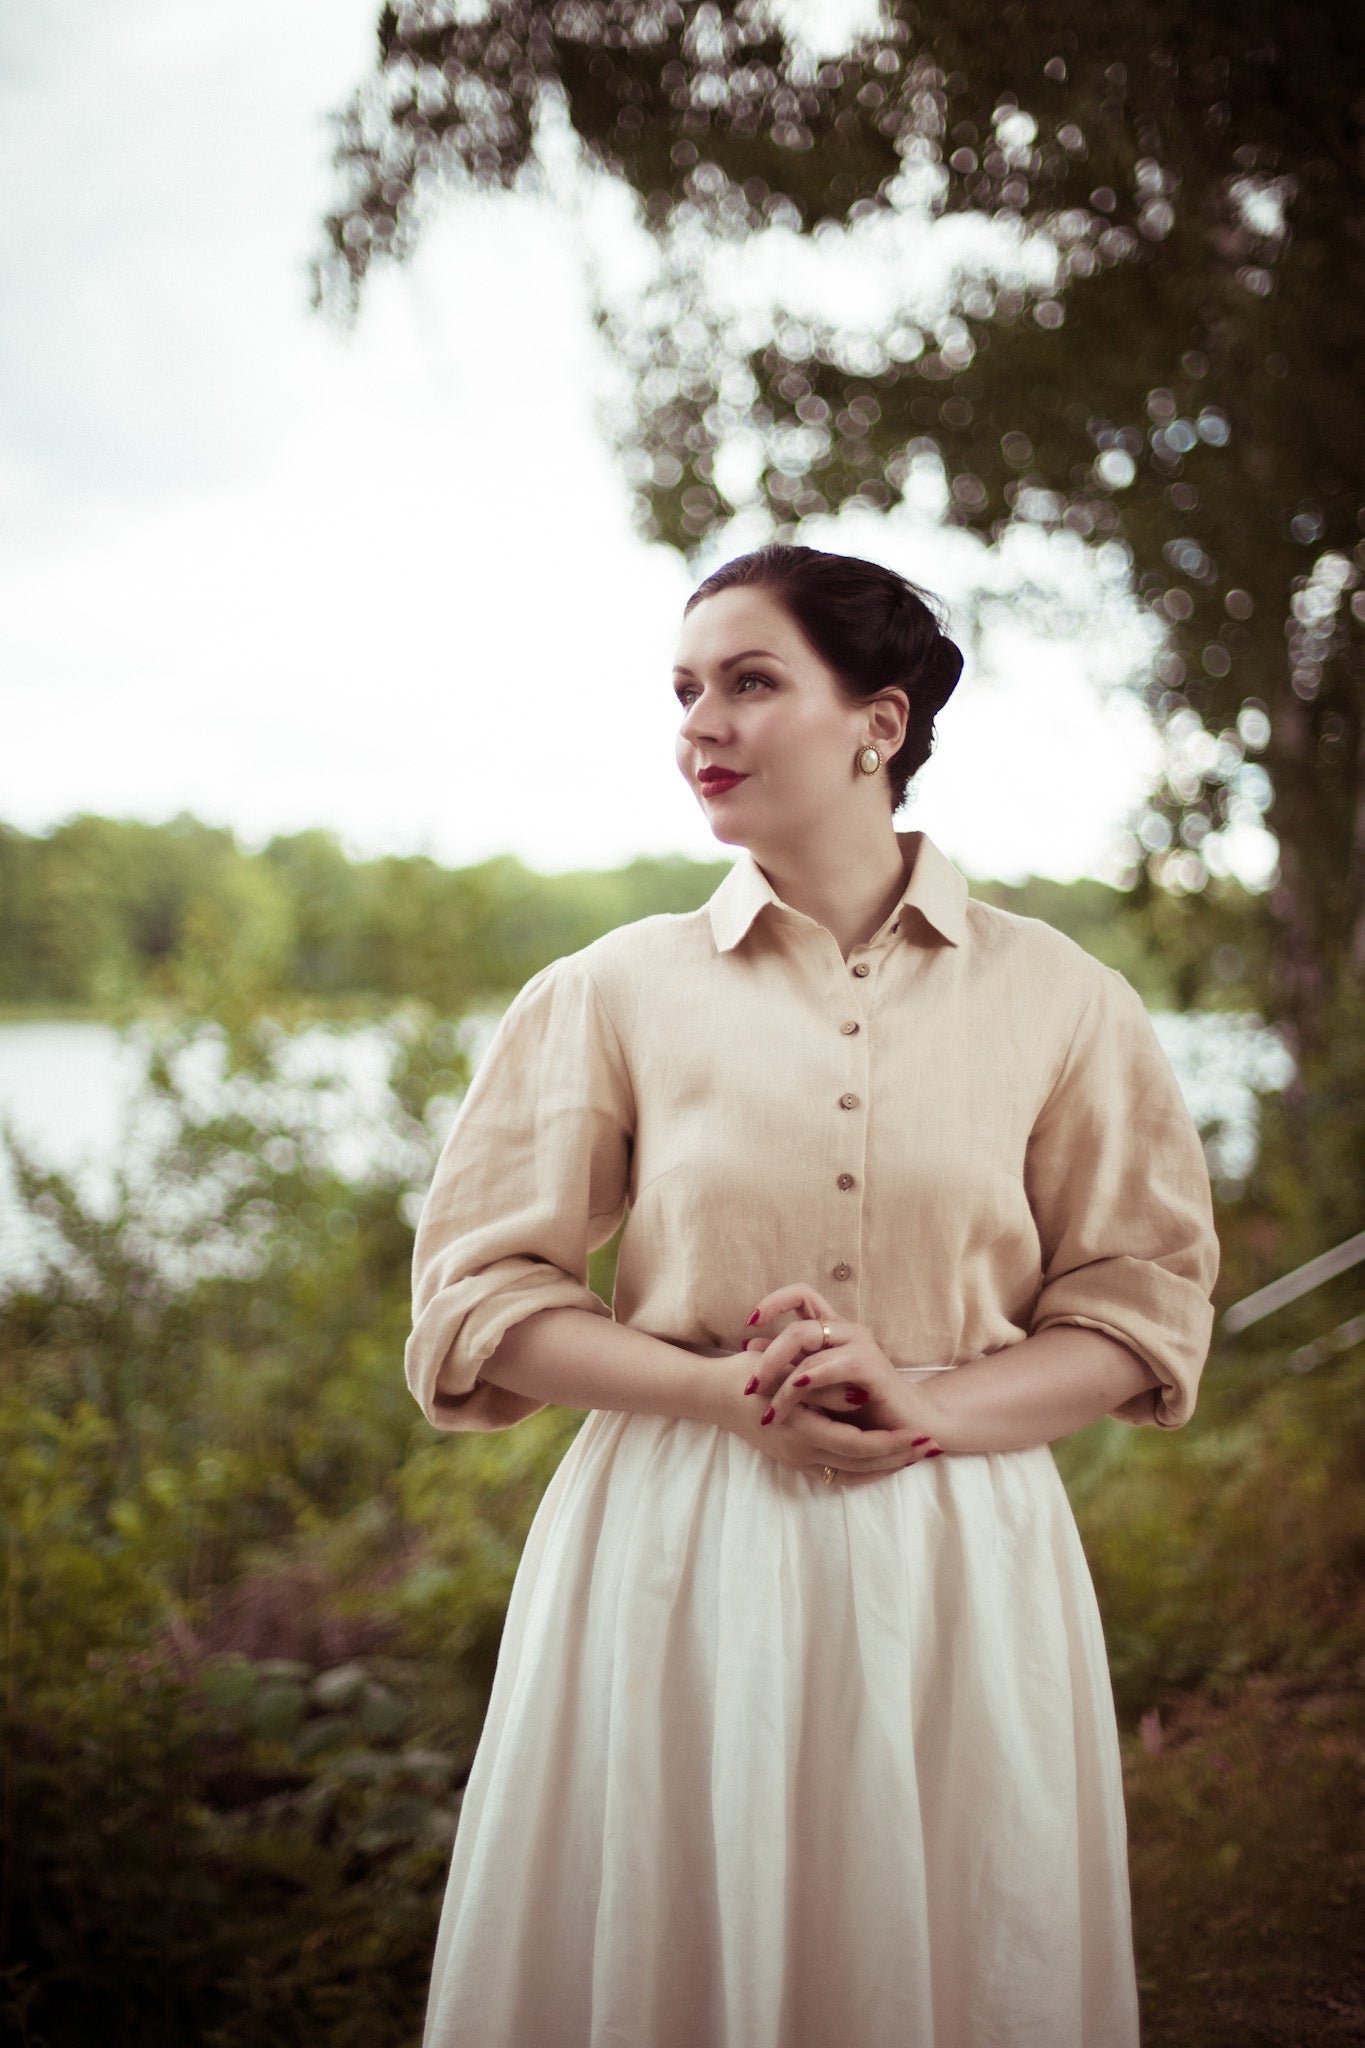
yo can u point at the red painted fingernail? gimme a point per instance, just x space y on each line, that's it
752 1384
933 1454
855 1396
752 1320
804 1380
916 1441
768 1417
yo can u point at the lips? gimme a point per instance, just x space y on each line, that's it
715 781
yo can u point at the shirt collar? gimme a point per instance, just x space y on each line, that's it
935 889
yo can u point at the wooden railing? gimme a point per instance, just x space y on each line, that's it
1252 1307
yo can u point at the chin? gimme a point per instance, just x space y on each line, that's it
727 834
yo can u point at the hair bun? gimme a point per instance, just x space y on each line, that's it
940 672
917 649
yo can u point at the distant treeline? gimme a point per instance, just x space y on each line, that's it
107 915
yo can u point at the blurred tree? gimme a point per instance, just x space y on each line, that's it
1156 344
326 892
236 939
110 915
96 912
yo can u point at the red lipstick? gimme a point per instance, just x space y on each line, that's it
716 781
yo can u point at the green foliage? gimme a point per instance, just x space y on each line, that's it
111 916
251 1851
242 1681
1235 1545
94 913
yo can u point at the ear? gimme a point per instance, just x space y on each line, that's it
888 716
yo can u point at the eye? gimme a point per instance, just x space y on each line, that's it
743 685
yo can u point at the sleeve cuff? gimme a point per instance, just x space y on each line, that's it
461 1328
1171 1404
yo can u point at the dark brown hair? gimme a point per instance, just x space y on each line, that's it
871 626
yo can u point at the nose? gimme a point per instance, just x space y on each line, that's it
704 719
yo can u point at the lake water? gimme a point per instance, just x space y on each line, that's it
70 1092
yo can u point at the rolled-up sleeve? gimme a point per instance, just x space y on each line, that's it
1118 1185
532 1177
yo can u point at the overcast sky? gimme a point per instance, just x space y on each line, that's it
383 581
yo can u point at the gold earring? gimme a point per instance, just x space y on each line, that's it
869 760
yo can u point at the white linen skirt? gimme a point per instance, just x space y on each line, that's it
770 1763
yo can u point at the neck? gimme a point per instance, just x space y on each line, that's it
850 882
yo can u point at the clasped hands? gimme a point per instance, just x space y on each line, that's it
809 1404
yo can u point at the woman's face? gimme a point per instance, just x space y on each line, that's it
768 740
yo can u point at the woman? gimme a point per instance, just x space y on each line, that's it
801 1732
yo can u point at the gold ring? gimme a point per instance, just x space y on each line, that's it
824 1327
828 1474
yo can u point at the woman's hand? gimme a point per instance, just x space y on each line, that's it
800 1386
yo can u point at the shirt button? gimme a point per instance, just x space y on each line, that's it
849 1026
845 1181
861 969
841 1272
848 1102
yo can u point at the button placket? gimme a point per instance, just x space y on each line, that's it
844 1257
875 950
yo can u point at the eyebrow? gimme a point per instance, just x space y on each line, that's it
749 654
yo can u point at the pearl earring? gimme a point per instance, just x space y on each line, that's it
869 760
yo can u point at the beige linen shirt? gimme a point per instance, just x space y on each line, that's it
962 1134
